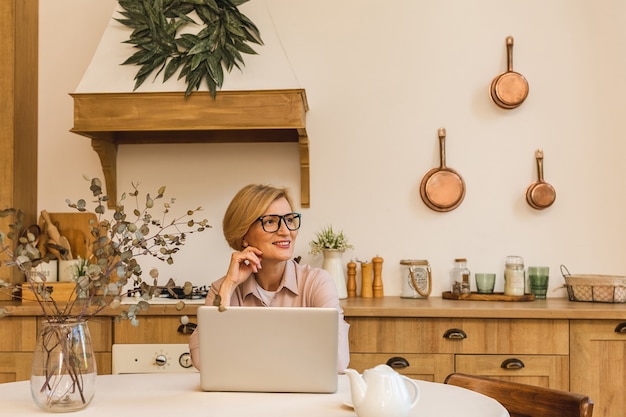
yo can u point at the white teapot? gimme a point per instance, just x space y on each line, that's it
382 392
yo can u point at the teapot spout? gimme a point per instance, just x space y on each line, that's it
357 386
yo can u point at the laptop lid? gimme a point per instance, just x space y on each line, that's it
268 349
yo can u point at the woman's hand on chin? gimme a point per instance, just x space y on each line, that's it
243 264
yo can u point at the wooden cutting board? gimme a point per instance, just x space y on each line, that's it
496 296
76 227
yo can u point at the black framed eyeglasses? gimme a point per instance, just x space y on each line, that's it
271 222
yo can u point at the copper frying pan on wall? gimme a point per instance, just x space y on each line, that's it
509 89
540 194
442 189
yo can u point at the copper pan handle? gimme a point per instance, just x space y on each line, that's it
442 146
539 157
509 53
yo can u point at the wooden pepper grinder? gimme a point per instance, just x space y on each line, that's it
366 279
351 279
378 276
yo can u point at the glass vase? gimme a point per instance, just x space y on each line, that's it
334 265
63 376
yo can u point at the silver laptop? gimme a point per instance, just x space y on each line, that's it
268 349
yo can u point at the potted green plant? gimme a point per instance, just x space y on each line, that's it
332 244
328 239
64 369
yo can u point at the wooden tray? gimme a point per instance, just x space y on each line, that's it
496 296
62 292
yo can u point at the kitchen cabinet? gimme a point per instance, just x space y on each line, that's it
101 330
525 350
598 364
16 347
18 334
550 371
424 366
576 346
17 342
152 329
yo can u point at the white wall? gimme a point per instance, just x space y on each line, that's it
381 78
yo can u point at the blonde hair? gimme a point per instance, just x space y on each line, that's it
246 207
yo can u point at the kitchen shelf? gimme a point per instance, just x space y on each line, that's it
113 119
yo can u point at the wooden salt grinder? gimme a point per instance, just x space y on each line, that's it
378 276
351 279
366 280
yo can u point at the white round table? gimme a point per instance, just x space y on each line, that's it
167 395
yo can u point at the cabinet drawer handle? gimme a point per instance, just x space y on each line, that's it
512 363
621 328
455 334
186 328
398 362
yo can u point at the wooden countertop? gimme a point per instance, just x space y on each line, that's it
394 306
15 309
551 308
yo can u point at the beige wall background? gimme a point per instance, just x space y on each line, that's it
381 78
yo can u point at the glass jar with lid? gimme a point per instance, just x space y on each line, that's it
416 278
456 275
514 276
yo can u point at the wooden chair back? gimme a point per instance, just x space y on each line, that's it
522 400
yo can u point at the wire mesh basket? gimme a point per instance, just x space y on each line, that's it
595 288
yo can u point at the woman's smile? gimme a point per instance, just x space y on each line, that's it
283 244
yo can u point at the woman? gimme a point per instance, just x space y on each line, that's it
260 225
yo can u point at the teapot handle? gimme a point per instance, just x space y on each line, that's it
413 387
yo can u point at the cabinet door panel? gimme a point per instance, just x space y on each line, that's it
104 363
19 334
101 331
500 336
598 364
422 366
15 366
550 371
151 329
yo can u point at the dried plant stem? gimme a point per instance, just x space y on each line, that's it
62 350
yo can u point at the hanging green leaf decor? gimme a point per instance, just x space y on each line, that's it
222 36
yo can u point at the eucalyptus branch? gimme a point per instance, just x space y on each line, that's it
99 282
112 263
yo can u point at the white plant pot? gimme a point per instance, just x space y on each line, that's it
67 269
333 263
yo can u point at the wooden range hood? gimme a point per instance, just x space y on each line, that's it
112 119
